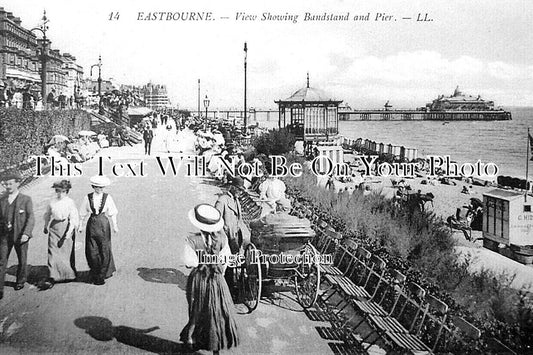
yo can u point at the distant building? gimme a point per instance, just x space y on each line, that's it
20 60
91 86
19 64
460 102
155 96
74 75
56 76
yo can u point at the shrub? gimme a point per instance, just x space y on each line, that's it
23 133
275 142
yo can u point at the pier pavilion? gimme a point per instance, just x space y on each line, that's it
310 114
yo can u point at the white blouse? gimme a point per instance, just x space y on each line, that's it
110 209
62 209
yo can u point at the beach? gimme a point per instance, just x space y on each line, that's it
447 198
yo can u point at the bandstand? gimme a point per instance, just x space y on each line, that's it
310 114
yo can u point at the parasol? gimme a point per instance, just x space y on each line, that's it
87 133
58 138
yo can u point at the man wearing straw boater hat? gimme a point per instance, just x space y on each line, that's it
16 226
212 325
101 207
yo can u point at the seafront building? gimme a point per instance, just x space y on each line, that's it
74 74
19 63
21 60
461 102
155 96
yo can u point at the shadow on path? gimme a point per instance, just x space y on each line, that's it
164 275
36 274
102 329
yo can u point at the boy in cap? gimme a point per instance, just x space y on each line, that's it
16 226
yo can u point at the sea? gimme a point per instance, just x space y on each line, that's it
503 143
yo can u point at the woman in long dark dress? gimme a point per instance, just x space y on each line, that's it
212 325
101 208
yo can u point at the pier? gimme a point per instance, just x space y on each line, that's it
423 115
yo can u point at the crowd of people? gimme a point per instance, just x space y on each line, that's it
26 97
29 97
221 228
75 149
62 220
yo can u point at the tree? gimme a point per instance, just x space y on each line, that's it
275 142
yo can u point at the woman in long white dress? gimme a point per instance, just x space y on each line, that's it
61 220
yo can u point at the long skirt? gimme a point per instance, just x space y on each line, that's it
61 256
98 247
212 325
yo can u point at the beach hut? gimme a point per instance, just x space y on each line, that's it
335 154
396 150
310 114
508 220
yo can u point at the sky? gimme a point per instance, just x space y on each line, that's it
484 47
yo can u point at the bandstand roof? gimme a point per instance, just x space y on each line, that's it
309 94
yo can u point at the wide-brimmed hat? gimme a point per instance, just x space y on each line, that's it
206 217
100 181
63 184
237 182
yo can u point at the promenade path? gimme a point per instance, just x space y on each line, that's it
142 308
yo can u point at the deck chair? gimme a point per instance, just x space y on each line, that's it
362 282
434 318
403 321
330 246
383 289
323 242
343 262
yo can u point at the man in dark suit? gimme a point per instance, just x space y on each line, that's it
16 226
148 136
230 208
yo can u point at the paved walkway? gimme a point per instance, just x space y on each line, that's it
142 308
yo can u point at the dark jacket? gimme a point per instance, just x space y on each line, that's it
148 135
230 210
23 221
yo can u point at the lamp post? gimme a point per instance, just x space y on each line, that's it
43 28
99 65
245 64
206 105
199 117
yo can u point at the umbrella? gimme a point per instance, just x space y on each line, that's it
57 139
87 133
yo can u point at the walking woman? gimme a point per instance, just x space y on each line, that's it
60 223
212 325
101 207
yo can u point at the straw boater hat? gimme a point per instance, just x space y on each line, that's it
206 217
100 181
